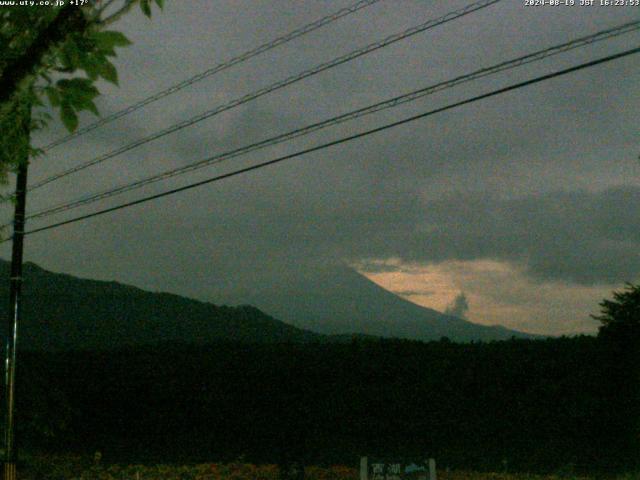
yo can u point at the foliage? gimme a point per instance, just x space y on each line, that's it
620 334
620 317
14 141
57 61
541 405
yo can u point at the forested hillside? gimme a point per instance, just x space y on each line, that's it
62 312
526 405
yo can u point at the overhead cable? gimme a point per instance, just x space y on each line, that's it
376 107
273 87
339 141
299 32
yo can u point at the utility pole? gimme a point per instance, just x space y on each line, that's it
15 302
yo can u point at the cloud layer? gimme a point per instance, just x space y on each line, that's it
543 180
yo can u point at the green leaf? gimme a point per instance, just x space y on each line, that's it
109 72
46 77
75 95
54 97
69 117
105 49
109 39
92 69
145 6
92 108
92 64
82 103
35 152
66 62
77 89
160 4
71 54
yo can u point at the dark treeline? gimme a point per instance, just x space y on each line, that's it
537 405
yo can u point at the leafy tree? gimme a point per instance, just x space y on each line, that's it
620 332
54 56
620 317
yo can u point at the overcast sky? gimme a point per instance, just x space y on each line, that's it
529 202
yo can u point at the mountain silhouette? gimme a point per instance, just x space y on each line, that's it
335 299
62 312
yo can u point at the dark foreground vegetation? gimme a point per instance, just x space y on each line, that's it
520 405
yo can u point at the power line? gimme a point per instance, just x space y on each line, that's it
273 87
299 32
341 140
386 104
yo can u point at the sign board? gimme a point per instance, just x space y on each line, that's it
378 469
385 471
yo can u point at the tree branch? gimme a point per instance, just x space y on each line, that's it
118 13
104 6
70 19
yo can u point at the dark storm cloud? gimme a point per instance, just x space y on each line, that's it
580 237
545 178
